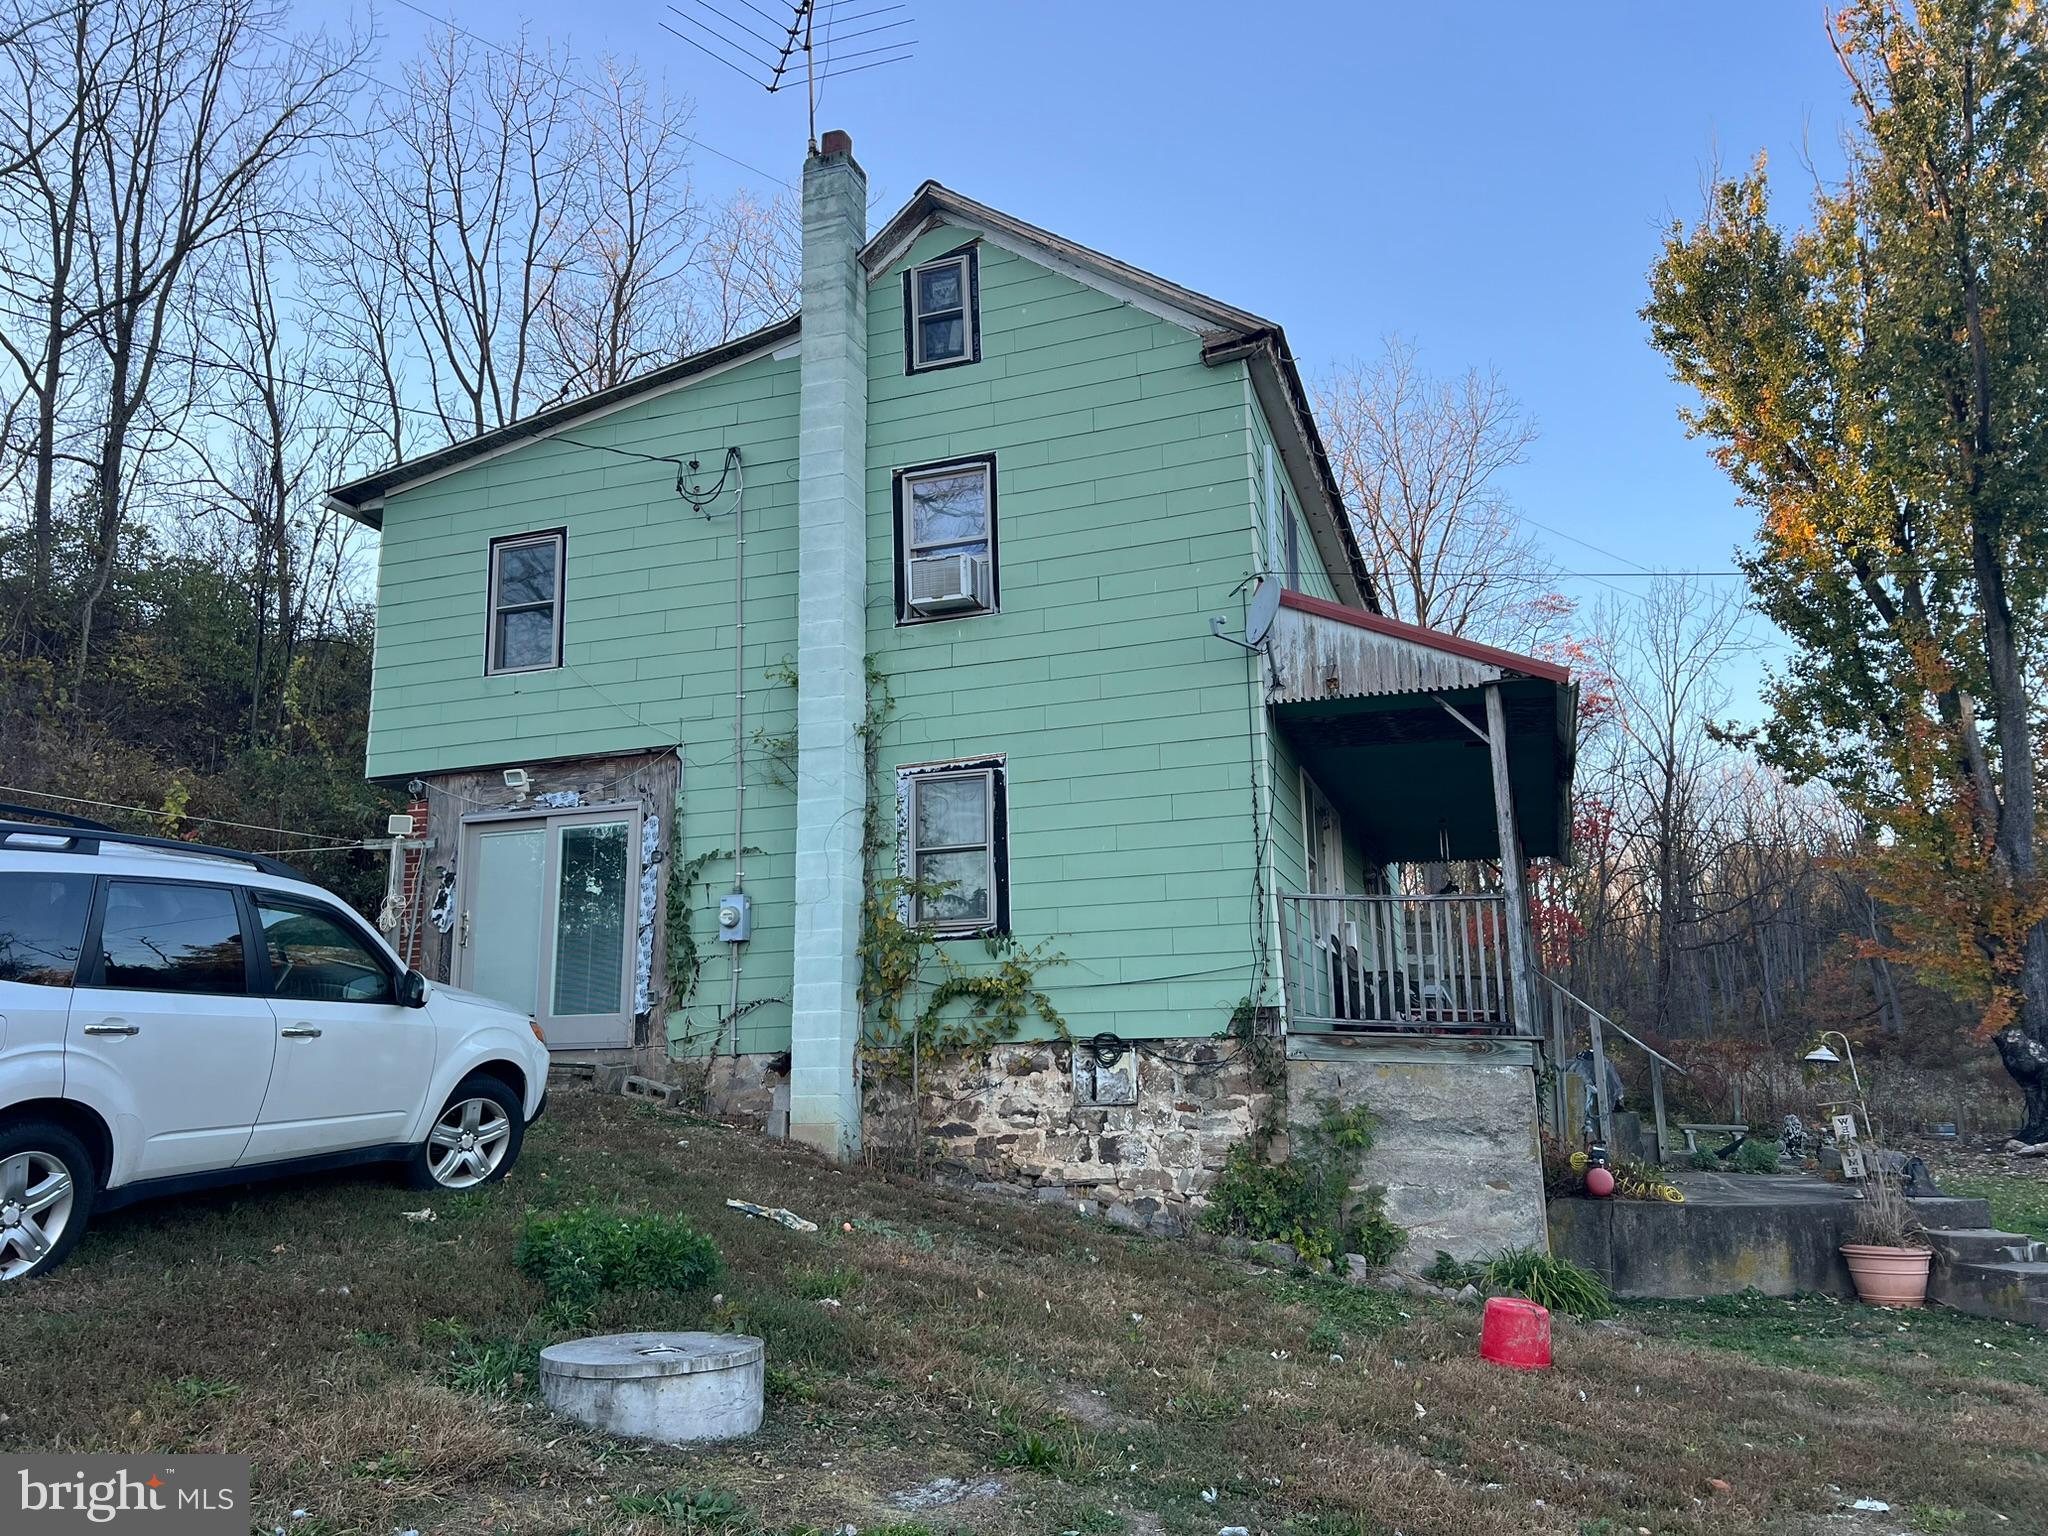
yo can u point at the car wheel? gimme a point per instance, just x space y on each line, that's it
47 1184
474 1140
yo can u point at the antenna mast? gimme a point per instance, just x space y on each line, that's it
767 61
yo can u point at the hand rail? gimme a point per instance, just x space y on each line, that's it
1658 1062
1631 1039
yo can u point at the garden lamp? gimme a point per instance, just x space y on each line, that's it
1822 1055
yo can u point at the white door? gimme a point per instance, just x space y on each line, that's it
548 921
164 1004
353 1063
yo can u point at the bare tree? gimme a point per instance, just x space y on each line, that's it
59 65
193 108
1420 461
465 202
271 438
752 261
624 302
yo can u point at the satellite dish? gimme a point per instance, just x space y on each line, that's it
1264 607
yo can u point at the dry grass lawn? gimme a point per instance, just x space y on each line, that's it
1076 1379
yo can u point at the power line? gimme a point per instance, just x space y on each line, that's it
160 814
564 79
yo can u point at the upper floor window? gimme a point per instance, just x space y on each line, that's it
956 850
946 540
526 602
941 320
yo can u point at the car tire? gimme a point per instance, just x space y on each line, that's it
36 1157
474 1139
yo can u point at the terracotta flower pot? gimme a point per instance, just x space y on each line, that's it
1888 1277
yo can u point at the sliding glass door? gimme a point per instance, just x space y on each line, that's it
548 920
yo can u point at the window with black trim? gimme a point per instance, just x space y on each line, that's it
946 540
941 313
526 602
956 846
159 936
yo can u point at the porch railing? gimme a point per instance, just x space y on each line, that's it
1397 962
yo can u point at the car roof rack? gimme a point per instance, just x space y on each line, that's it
80 835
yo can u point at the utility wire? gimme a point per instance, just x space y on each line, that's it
499 48
160 815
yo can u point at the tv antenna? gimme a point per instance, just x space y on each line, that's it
772 51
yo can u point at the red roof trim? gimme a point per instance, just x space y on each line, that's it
1472 650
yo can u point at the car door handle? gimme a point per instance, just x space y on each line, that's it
300 1032
113 1029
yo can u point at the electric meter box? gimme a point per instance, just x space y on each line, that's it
735 918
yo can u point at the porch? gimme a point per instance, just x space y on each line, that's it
1432 768
1397 963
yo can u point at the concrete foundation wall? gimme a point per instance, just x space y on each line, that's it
1456 1148
1790 1247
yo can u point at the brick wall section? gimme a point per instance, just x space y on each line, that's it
413 902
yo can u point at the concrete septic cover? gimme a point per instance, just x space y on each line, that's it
670 1387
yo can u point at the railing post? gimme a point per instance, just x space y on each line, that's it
1657 1107
1601 1096
1523 1011
1560 1053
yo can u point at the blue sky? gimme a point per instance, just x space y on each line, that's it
1488 179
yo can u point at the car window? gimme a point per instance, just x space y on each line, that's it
42 926
159 936
317 958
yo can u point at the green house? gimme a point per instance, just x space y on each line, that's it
999 610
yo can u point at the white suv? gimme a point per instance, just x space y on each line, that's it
174 1016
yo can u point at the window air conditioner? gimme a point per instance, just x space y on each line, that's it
949 584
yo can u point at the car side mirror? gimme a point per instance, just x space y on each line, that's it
412 990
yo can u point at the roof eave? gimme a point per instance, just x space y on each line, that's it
363 498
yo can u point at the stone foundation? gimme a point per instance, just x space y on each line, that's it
1013 1116
1456 1148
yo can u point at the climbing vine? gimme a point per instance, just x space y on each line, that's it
685 963
965 1008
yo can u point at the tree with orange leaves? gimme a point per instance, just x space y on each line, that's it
1876 386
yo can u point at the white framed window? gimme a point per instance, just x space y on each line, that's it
946 540
941 313
525 602
955 846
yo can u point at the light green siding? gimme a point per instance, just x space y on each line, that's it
1123 504
1130 498
1278 506
647 636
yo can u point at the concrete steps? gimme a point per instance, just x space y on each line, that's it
1989 1273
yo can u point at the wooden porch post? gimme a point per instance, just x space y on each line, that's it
1523 977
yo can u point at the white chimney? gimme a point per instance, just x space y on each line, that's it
831 702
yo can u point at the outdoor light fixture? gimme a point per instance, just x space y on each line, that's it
1821 1055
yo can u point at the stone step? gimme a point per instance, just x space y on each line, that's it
2015 1290
1979 1245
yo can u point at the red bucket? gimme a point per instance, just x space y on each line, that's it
1515 1333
